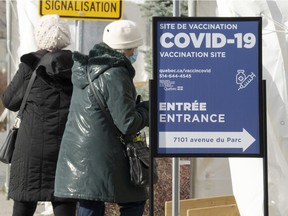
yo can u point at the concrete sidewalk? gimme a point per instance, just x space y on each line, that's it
6 206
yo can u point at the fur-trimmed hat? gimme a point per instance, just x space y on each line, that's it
122 34
52 32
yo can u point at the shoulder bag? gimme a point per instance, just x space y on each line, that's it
7 148
136 150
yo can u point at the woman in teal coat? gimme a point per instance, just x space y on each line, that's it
92 166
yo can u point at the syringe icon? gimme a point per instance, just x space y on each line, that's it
247 80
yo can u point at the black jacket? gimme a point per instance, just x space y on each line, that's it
38 141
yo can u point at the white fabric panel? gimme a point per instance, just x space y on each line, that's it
27 18
246 174
247 185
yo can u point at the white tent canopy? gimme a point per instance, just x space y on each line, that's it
247 174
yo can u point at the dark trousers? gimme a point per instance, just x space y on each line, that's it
97 208
29 208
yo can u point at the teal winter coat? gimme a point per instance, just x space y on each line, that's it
91 163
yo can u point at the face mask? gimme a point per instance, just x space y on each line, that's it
133 58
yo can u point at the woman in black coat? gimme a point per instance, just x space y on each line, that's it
38 141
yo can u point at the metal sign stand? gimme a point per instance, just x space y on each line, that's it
174 139
175 161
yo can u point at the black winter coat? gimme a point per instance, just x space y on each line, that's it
38 141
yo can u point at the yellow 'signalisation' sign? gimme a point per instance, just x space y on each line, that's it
83 9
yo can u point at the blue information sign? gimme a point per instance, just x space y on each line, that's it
207 73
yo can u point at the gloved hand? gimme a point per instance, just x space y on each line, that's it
138 99
144 104
143 108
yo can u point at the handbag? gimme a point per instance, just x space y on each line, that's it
7 148
138 153
136 150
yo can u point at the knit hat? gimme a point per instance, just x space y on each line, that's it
122 34
52 32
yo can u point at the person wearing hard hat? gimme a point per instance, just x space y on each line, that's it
92 166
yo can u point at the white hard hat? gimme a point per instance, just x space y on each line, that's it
122 34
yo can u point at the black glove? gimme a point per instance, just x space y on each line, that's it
144 104
143 108
138 99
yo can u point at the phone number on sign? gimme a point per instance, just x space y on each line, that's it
175 75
